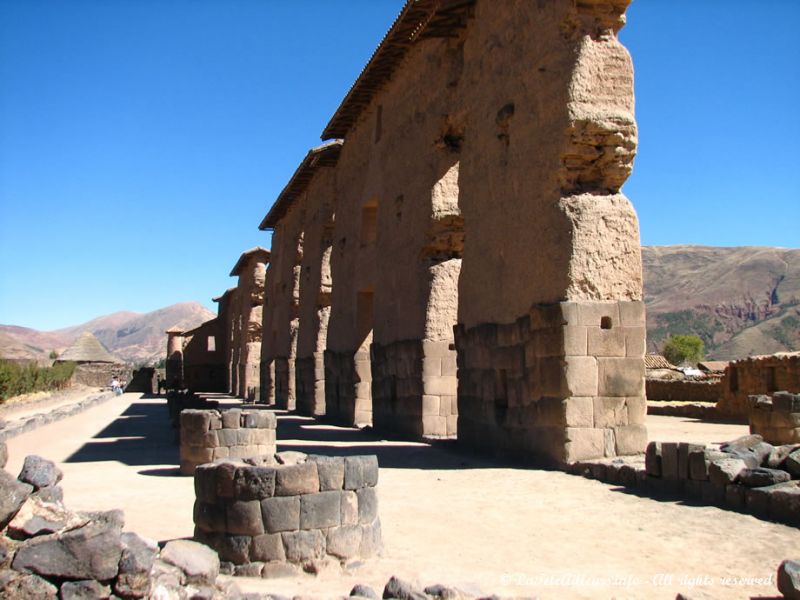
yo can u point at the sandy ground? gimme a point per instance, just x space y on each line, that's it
447 517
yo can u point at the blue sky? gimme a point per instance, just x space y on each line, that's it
142 141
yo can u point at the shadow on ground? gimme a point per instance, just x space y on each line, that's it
140 436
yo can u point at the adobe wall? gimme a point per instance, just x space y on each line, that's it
250 297
315 287
479 212
204 366
174 364
397 162
225 343
757 375
282 306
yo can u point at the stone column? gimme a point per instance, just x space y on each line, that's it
174 365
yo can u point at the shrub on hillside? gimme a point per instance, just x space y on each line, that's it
16 378
683 348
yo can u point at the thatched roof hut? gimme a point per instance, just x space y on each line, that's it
87 349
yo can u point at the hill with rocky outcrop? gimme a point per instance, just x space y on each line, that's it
133 337
742 300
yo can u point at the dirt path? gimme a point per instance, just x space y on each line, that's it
21 407
447 517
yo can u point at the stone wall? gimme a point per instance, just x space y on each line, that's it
208 435
477 184
562 384
263 518
757 375
101 374
776 418
683 391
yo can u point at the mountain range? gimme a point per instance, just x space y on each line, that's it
132 337
742 301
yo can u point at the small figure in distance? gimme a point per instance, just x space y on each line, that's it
115 386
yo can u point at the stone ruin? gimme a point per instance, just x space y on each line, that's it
224 354
776 418
208 435
49 551
460 261
299 513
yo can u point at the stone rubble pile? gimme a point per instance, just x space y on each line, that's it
208 435
746 474
49 551
300 513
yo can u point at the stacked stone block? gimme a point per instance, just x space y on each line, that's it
348 387
208 435
415 388
565 382
263 518
776 418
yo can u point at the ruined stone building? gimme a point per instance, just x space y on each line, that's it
223 354
757 375
458 258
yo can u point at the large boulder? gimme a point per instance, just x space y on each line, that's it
200 563
137 559
39 472
789 579
89 552
37 517
25 585
13 494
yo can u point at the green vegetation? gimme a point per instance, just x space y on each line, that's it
686 322
53 355
16 378
161 364
786 332
682 348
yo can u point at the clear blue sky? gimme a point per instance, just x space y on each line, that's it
142 141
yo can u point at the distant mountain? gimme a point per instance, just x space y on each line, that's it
133 337
741 301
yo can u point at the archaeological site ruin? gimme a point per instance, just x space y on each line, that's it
457 260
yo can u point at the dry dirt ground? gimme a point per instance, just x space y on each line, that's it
447 517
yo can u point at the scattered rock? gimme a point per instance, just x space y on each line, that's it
291 457
53 494
39 472
200 563
777 458
84 590
363 591
793 463
26 585
12 494
37 517
402 590
724 471
135 563
3 451
90 552
789 579
761 477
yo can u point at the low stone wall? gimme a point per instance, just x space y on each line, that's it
683 391
776 418
274 520
9 429
208 435
746 475
101 374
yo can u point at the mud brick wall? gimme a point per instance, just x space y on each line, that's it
207 435
757 375
262 517
683 391
776 418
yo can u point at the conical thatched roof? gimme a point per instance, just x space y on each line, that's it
87 348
